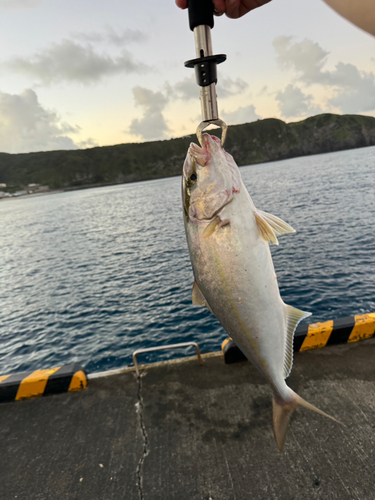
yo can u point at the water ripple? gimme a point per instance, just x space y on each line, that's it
90 276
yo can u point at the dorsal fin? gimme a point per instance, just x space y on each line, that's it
265 230
197 297
292 316
271 226
277 224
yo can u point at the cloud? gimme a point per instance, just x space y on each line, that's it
305 57
245 114
354 90
88 143
19 4
185 89
152 125
26 126
111 36
293 102
227 87
70 61
188 88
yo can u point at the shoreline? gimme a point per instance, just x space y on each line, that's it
31 195
252 143
108 184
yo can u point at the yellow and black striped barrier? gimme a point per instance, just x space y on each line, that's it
42 382
317 335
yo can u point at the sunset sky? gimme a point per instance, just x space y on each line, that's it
80 73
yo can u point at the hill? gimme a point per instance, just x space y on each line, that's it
257 142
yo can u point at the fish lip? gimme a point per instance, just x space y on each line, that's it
200 154
209 139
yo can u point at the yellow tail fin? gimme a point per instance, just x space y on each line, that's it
282 413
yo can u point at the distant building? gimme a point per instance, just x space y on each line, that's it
36 188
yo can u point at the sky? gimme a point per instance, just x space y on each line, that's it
84 73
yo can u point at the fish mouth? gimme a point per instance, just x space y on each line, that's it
200 155
211 144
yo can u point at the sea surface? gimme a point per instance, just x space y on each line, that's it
89 276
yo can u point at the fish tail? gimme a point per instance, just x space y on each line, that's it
282 411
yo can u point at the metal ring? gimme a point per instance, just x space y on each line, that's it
218 123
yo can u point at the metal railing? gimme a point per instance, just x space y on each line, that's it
162 348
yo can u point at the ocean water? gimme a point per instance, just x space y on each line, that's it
89 276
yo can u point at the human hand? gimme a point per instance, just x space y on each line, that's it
231 8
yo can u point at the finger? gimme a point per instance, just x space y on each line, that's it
219 7
181 3
238 8
233 8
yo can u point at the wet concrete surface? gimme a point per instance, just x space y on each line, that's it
184 431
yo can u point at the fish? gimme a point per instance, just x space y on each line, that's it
229 246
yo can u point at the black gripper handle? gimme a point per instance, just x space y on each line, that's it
201 12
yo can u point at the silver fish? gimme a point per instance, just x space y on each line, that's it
228 240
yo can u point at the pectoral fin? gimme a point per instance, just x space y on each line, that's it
210 229
213 225
271 226
198 298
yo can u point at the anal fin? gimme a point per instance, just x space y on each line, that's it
292 316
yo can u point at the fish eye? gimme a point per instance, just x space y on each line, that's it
193 177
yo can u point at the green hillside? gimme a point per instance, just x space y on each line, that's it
257 142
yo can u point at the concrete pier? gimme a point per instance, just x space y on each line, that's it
189 432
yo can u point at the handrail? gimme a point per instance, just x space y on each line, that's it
163 347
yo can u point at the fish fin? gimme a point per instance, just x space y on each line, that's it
293 316
278 225
210 229
282 412
215 223
265 230
197 297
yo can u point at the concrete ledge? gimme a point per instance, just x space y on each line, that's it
317 335
42 382
188 432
